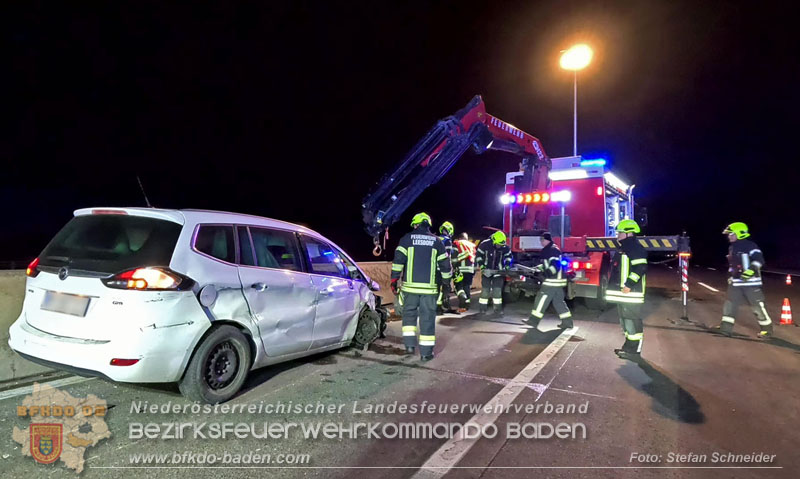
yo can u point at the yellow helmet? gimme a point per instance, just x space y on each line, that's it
447 228
498 238
739 229
628 226
421 218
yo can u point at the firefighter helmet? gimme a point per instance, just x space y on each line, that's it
421 218
739 229
498 238
628 226
447 228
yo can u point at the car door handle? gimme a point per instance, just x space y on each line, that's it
325 292
260 287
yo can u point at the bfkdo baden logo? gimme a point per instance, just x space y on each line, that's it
46 442
62 426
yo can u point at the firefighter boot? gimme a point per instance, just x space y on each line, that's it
725 328
629 350
410 350
498 310
533 321
482 309
766 331
427 358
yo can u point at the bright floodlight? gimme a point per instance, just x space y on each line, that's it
561 196
577 57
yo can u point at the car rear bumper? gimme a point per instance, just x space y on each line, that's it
162 353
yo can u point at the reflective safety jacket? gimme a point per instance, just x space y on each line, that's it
418 256
489 256
551 263
465 258
744 254
628 268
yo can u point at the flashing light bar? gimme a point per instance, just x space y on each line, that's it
568 174
561 196
526 198
616 182
593 162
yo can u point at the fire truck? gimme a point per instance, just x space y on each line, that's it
577 200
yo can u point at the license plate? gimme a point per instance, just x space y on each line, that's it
65 303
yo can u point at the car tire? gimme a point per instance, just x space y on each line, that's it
218 367
368 329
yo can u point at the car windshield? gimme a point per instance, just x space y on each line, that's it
112 243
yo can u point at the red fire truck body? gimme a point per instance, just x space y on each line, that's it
593 201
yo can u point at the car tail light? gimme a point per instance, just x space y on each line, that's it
147 279
575 265
123 362
588 266
33 268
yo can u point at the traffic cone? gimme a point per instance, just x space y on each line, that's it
786 312
789 279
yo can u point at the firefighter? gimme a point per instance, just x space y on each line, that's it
419 256
465 260
493 257
745 261
552 289
443 300
626 288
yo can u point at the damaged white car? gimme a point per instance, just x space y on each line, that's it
188 296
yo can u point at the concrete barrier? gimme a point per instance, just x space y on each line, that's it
381 271
12 292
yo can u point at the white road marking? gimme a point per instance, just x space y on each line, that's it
712 269
448 455
708 287
29 389
583 393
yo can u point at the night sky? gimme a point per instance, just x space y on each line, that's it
292 110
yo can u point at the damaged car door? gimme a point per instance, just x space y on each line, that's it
280 294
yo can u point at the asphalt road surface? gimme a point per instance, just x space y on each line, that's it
694 394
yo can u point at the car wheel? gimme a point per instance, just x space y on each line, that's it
218 368
367 330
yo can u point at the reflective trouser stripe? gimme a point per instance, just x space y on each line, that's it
409 330
728 319
497 301
623 299
767 321
634 337
418 290
556 283
565 315
427 340
484 300
538 310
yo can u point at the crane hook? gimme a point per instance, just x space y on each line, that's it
377 250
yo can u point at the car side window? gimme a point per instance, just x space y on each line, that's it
245 247
275 249
322 259
216 241
352 269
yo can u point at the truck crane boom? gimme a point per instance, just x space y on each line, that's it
437 152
